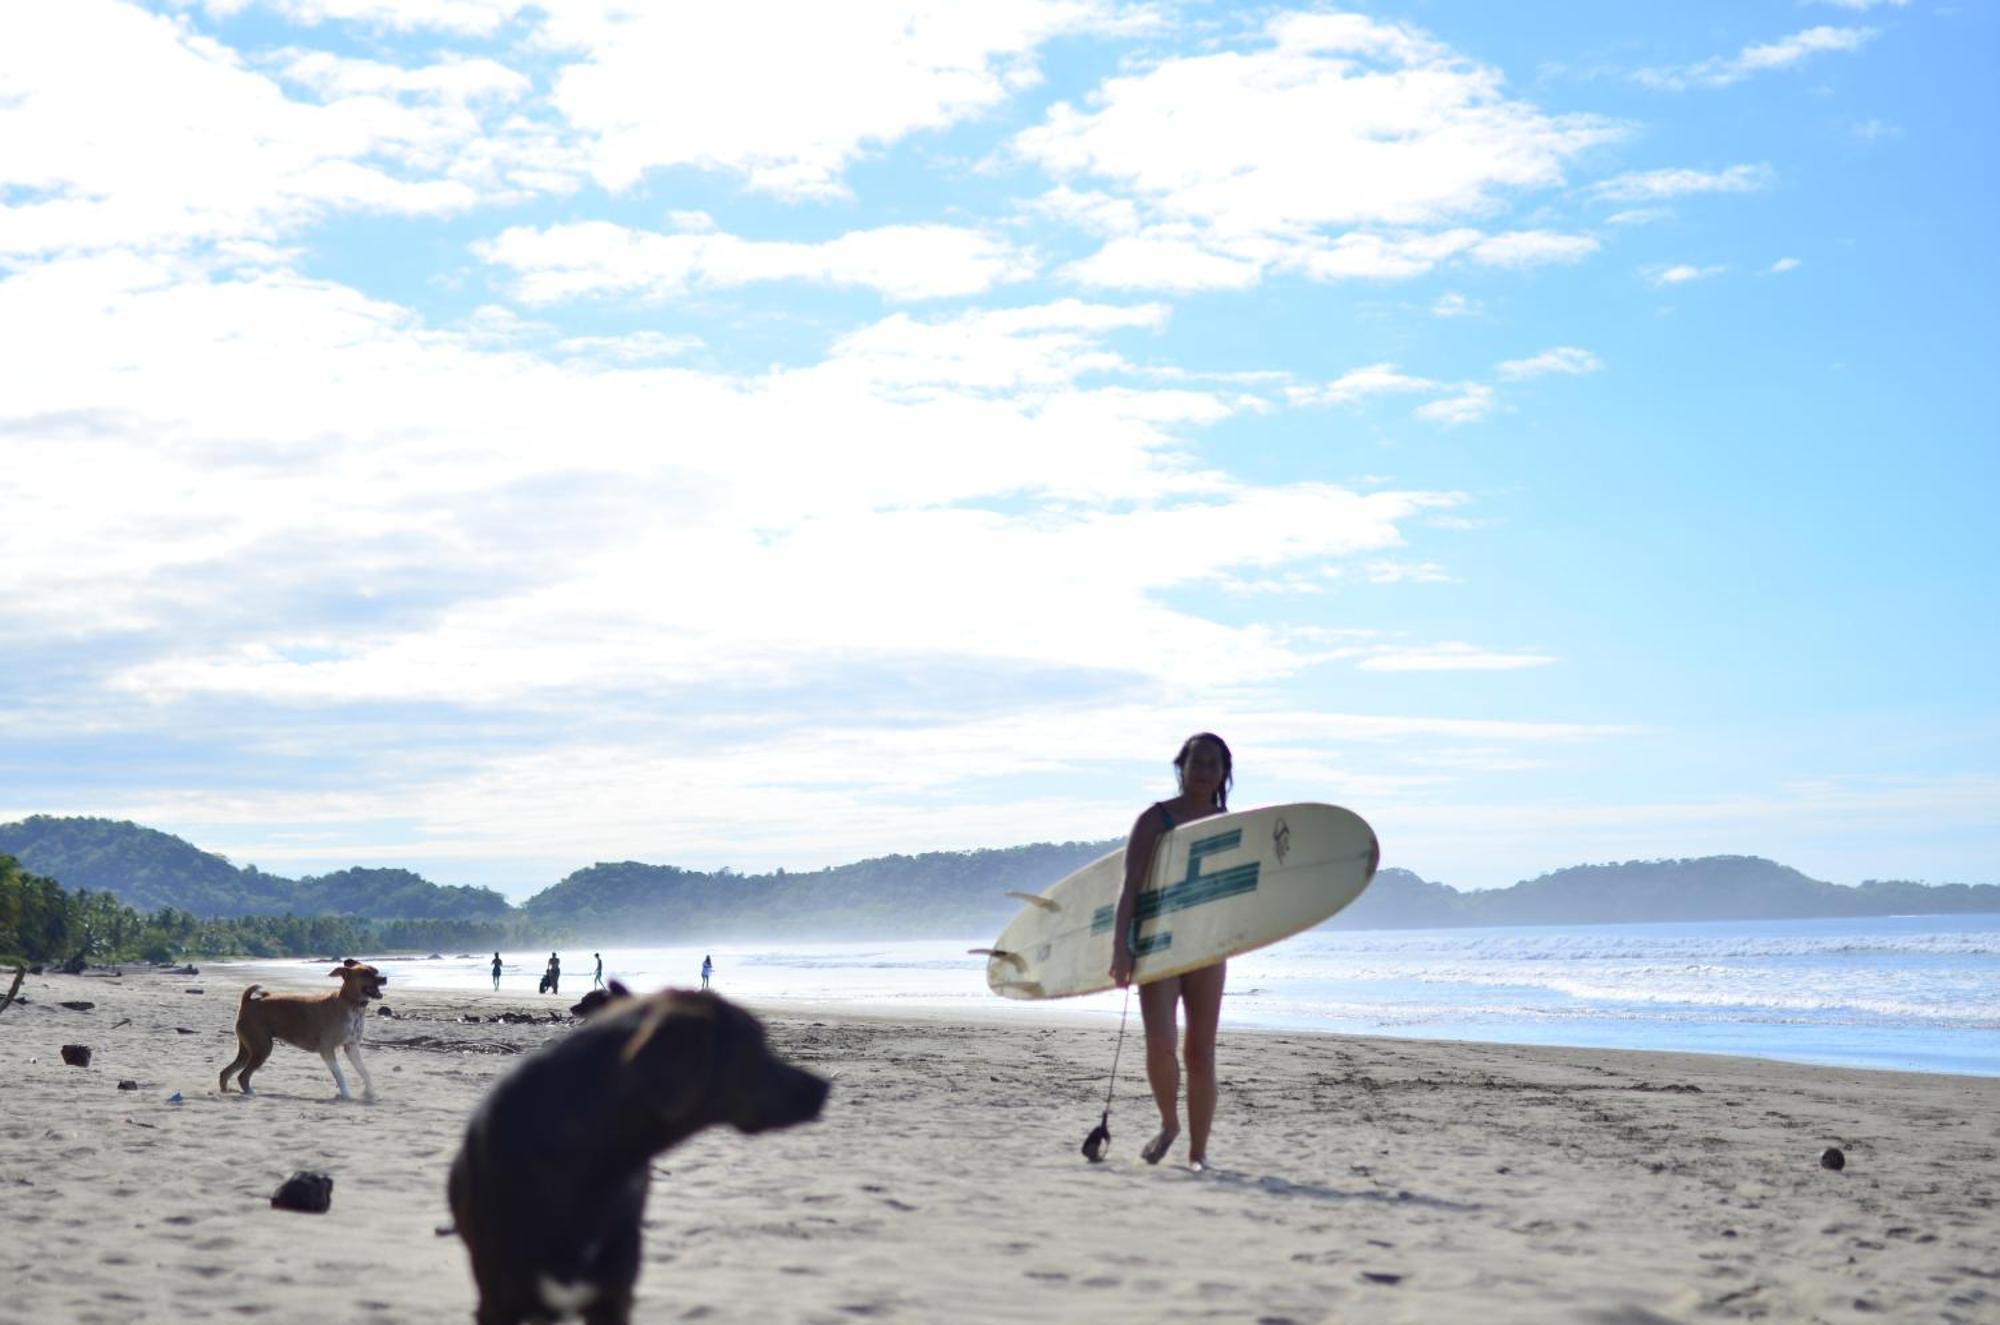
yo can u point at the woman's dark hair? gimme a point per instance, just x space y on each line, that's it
1228 764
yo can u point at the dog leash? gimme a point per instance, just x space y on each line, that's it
1100 1135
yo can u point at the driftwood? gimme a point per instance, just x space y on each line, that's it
20 974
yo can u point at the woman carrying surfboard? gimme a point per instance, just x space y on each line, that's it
1205 771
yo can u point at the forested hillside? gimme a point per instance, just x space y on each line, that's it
941 893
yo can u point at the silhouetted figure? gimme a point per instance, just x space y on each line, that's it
707 969
597 981
496 972
552 977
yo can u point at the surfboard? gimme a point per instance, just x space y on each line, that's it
1218 887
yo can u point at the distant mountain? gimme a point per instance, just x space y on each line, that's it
383 893
147 869
940 893
143 867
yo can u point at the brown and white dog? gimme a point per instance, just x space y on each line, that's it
319 1023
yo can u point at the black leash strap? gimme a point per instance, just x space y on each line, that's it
1100 1136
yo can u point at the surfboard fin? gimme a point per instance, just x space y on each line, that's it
1001 954
1035 899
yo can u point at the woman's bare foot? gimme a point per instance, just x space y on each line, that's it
1157 1148
1198 1165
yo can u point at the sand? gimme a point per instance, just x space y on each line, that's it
1359 1179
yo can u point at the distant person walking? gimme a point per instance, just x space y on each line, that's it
496 972
597 981
707 969
552 977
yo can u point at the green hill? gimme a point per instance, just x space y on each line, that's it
955 894
147 870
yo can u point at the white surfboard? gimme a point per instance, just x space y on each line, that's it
1219 886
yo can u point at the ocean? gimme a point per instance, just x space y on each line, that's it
1917 993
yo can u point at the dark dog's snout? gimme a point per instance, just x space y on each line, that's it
791 1095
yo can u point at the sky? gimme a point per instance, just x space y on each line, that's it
489 437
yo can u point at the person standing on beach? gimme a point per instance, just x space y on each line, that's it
707 968
496 972
597 981
553 976
1206 773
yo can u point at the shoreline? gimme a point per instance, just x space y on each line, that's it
1400 1180
305 973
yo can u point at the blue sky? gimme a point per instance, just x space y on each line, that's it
491 437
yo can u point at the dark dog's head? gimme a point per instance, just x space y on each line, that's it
700 1059
359 981
593 1002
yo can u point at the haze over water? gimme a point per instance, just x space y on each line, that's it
1917 993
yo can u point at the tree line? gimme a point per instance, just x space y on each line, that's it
41 922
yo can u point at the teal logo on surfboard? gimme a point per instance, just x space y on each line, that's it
1194 889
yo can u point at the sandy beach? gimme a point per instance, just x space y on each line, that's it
1357 1179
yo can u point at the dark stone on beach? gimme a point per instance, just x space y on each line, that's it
471 1018
182 1030
1831 1158
435 957
308 1193
76 1005
384 1011
76 1055
191 990
128 1085
1381 1277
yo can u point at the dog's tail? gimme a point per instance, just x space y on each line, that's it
254 991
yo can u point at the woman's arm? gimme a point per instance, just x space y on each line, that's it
1146 831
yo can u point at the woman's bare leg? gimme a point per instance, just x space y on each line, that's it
1163 1073
1201 993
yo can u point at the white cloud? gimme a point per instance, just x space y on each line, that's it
1338 148
125 128
1566 359
1639 216
1453 304
1681 273
1533 248
1648 185
1407 572
470 18
1089 209
1374 380
1163 258
1858 5
902 262
929 491
1473 402
1786 264
1450 657
1784 53
635 347
787 96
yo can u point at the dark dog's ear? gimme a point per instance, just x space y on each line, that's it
337 972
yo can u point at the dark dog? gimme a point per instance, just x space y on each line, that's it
551 1183
321 1023
593 1002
